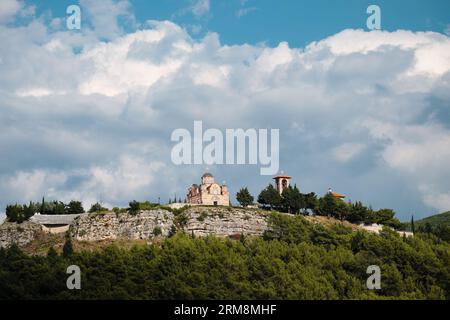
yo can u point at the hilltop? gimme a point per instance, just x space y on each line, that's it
442 219
222 253
126 228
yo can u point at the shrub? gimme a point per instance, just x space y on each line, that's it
97 207
157 231
134 207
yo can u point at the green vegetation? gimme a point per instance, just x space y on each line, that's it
292 201
244 197
20 213
438 225
295 260
157 231
97 207
442 219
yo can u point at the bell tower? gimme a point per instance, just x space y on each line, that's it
282 181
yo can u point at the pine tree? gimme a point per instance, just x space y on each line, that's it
413 228
244 197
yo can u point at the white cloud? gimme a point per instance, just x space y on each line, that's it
97 123
200 7
8 9
347 151
105 16
245 11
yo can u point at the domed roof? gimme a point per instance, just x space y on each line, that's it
207 174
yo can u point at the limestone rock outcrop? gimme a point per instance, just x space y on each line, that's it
224 222
148 224
111 226
19 234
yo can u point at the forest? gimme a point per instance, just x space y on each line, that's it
294 260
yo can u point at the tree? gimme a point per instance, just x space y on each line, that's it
244 197
30 210
67 248
292 199
134 207
310 201
326 205
270 197
58 207
413 228
42 210
14 213
358 213
74 207
97 207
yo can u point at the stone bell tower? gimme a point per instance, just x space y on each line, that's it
282 181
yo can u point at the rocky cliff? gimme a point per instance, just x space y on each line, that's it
200 221
20 234
111 226
223 221
148 224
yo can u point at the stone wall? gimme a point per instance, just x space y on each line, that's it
20 234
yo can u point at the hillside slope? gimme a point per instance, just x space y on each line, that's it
441 219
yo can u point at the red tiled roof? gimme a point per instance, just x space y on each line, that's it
337 195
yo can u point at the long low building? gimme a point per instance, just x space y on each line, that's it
57 223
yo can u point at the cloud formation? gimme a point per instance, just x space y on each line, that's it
83 118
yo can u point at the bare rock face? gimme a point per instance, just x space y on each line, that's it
111 226
225 221
198 220
19 234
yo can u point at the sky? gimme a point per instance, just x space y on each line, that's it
88 114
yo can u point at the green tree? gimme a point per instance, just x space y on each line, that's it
30 210
358 213
15 213
67 248
292 200
309 201
135 207
74 207
270 197
97 207
244 197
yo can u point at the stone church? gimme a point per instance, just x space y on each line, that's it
208 192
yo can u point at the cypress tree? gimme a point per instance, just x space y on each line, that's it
67 248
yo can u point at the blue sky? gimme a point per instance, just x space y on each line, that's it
297 22
87 114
